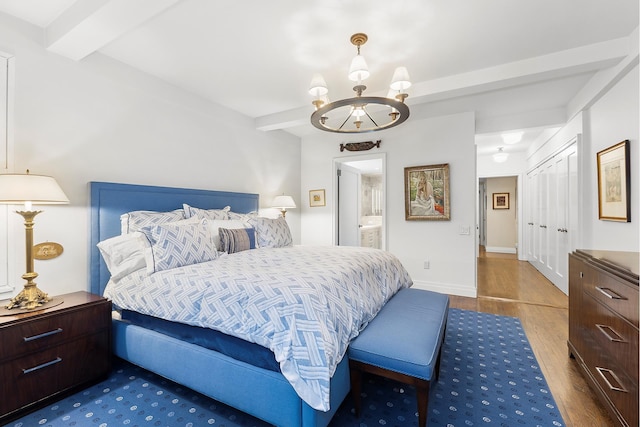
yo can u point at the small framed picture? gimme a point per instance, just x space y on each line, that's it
614 183
316 198
500 200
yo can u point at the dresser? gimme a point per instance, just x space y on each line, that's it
603 327
45 353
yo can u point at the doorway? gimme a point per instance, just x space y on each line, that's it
360 214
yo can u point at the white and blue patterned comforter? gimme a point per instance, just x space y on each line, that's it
303 303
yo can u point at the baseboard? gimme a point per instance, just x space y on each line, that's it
500 250
447 288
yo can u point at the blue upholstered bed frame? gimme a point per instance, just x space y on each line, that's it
262 393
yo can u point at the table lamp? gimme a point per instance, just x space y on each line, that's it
29 189
283 203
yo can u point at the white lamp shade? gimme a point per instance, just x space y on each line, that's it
318 86
358 70
400 80
283 202
37 189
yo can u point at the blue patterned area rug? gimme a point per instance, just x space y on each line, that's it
488 376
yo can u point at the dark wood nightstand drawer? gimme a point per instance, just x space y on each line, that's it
52 330
28 379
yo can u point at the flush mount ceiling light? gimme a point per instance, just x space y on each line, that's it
512 138
500 156
361 113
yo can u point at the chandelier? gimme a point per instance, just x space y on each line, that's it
360 114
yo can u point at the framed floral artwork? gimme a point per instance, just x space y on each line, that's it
316 198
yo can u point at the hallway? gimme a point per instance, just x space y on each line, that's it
515 288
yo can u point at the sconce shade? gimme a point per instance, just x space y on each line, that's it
37 189
283 202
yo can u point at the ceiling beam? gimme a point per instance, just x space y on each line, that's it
569 62
89 25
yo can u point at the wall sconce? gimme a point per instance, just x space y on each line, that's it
283 203
29 189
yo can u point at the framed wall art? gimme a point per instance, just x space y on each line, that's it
614 183
426 192
316 198
500 200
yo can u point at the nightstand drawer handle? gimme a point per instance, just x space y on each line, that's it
46 334
610 333
609 293
43 365
602 372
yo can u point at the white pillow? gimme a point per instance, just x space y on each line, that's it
134 221
216 214
173 245
124 254
216 225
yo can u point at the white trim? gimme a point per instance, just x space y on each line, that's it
500 250
447 288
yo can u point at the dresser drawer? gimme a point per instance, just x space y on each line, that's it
612 335
42 374
52 330
620 297
619 389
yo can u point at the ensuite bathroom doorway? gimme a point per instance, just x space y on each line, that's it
360 184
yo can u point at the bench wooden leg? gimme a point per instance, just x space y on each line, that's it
422 387
356 388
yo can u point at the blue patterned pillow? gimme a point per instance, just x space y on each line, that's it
234 240
190 212
134 221
272 233
174 245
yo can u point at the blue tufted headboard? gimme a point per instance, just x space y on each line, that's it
110 200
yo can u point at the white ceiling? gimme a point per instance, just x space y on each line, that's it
517 64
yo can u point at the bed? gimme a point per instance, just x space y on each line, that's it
261 392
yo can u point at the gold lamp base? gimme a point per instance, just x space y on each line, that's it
29 298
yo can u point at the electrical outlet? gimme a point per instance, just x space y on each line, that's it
427 265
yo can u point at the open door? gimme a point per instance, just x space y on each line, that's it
359 215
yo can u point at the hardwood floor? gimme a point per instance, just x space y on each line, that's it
515 288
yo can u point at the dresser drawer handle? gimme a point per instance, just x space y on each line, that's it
609 293
602 372
610 333
43 365
46 334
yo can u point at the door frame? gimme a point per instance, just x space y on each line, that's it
337 162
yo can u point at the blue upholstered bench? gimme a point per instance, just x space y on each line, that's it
403 343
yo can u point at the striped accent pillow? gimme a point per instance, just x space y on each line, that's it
174 245
237 239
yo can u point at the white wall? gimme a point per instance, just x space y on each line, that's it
98 120
613 118
502 233
446 139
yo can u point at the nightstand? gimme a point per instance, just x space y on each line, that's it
47 353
